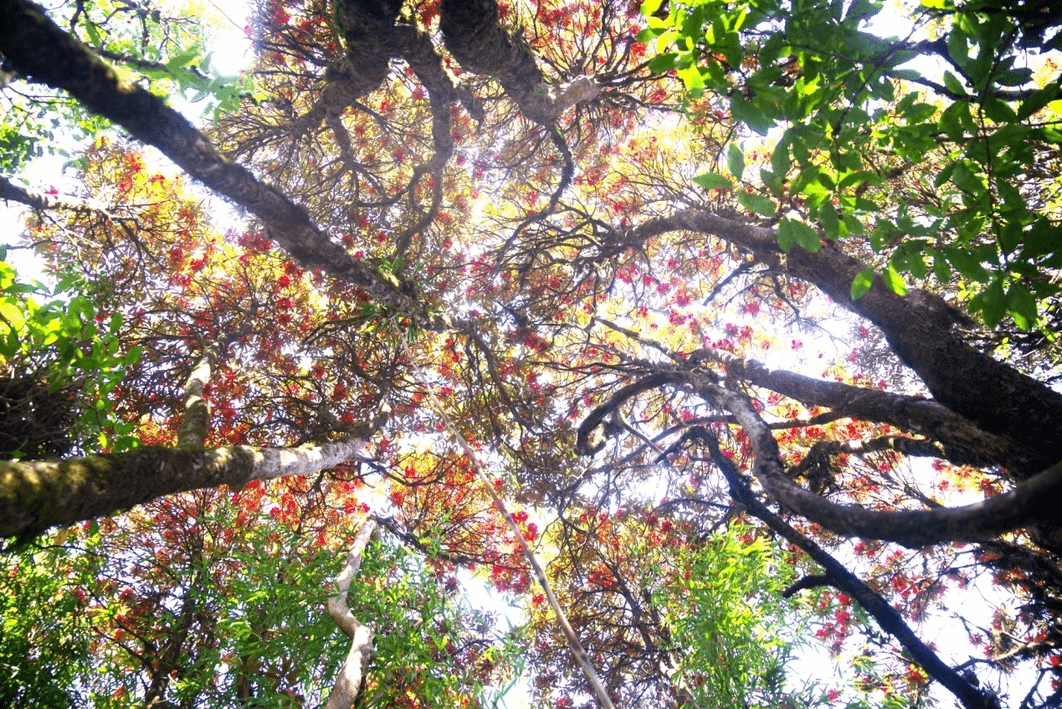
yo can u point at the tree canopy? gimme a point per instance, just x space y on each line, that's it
711 335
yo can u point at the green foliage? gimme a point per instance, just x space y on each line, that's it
44 646
190 74
729 624
854 109
18 148
62 362
168 53
429 644
78 608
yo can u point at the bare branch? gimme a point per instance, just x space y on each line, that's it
348 683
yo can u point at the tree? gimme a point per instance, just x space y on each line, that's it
534 239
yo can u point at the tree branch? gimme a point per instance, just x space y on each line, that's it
886 616
36 495
962 441
480 45
41 50
196 419
1033 501
348 683
918 327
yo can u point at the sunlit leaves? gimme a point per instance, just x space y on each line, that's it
792 232
862 282
734 635
735 160
712 181
756 203
551 284
62 362
843 79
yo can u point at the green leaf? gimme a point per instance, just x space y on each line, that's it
691 78
991 303
133 355
860 177
952 83
893 281
735 160
663 63
9 343
920 112
967 264
998 110
908 258
941 269
967 181
712 181
182 59
1015 77
954 119
944 175
1009 236
780 158
756 203
750 115
799 233
12 314
785 240
93 33
1021 305
1042 239
830 223
1037 101
862 282
957 47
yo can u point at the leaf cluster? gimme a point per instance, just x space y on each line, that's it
61 364
852 114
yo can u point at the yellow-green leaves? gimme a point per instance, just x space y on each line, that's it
756 203
712 181
55 336
735 160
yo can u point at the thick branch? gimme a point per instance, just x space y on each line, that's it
348 683
36 495
472 34
596 417
962 442
40 200
368 29
196 420
886 616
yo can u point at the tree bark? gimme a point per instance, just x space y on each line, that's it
1035 500
480 45
962 442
